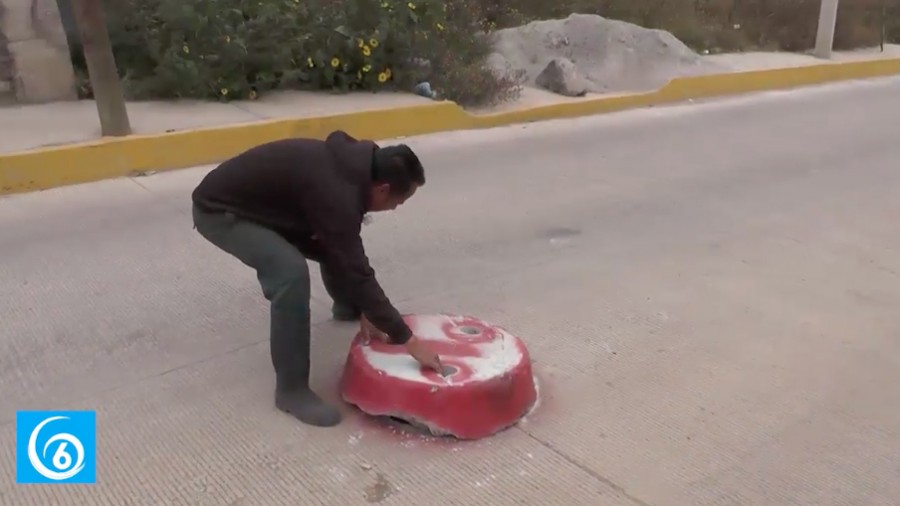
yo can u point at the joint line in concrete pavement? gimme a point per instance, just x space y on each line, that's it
135 181
606 481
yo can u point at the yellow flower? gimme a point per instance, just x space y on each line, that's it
335 62
360 43
366 68
366 51
440 27
382 77
224 91
411 5
384 5
252 95
373 42
310 63
186 49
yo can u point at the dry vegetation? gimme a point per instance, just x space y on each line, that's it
725 25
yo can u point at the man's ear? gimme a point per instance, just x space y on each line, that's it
382 189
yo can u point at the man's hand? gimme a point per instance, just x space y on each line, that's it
419 350
370 331
423 354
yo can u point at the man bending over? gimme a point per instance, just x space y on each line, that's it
280 204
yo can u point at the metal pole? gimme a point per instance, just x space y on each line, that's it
101 65
825 33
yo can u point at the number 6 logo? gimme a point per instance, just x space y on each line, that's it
62 460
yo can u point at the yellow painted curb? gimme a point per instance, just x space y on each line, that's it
44 168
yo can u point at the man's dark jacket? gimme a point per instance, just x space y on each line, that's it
314 194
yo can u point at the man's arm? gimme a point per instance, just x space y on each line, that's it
347 257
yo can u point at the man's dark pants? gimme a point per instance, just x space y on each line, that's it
283 274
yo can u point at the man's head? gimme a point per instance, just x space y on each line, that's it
396 175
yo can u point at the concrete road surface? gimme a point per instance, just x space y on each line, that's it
710 293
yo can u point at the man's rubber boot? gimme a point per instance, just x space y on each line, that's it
344 313
290 348
298 400
339 311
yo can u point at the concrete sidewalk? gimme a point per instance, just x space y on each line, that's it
709 293
32 126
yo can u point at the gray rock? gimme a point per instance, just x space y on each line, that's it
612 55
561 76
500 67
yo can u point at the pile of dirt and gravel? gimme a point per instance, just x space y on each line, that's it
592 54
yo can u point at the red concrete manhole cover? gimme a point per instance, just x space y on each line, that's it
487 383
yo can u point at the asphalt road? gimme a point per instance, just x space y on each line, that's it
709 291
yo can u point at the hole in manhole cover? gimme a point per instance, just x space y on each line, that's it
405 426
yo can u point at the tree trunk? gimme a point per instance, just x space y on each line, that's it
101 65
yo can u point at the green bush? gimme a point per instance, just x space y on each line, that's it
457 58
892 17
238 49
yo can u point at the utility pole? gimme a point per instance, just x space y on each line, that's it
825 33
101 65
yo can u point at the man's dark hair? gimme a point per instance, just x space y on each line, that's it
399 167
